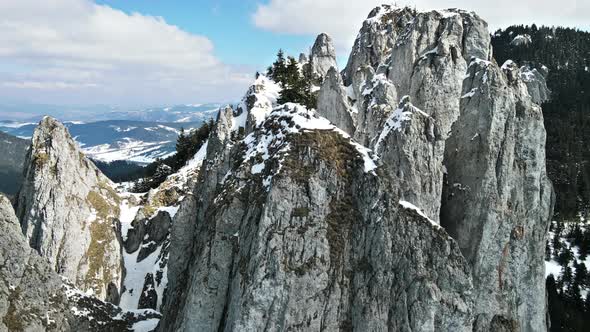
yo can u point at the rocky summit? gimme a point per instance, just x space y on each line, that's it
413 197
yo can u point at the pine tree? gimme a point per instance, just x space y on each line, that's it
566 274
572 293
581 274
278 71
182 149
565 256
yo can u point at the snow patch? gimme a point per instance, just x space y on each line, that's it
410 206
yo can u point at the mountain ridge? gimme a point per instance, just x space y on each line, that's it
414 198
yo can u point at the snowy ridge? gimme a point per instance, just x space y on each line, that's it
292 119
258 102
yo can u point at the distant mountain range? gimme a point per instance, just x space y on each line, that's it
178 113
136 141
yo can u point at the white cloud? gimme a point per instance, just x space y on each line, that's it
88 53
343 19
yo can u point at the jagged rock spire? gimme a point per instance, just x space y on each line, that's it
69 212
322 56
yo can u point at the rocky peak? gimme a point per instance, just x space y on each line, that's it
322 56
258 101
303 58
69 211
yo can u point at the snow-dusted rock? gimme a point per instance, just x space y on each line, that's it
521 40
412 156
423 55
536 84
308 221
69 212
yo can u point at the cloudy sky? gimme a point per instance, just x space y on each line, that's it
156 52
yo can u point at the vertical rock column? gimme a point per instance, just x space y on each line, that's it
497 199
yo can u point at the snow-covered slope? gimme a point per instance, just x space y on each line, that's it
145 222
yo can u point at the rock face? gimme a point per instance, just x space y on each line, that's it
322 56
333 103
69 212
33 297
497 199
415 199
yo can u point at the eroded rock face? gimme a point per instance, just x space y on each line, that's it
188 223
422 54
497 199
534 79
68 211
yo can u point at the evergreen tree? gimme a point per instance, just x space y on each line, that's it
581 274
565 256
572 293
566 274
296 82
278 70
182 149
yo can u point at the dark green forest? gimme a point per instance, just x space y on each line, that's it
566 54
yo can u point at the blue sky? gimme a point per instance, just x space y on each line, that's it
134 53
228 23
